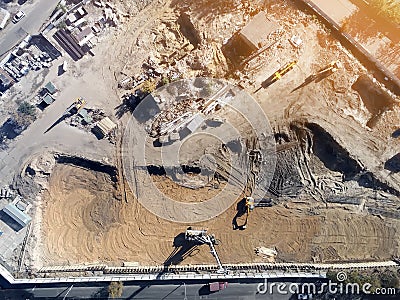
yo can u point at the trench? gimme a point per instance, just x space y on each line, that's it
338 159
89 165
332 154
188 30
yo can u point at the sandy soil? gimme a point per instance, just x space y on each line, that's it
83 220
84 223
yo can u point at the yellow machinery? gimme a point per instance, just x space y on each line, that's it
282 71
79 104
75 107
277 75
249 206
330 68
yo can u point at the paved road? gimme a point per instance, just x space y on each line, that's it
36 15
242 291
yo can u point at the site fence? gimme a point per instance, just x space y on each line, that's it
189 272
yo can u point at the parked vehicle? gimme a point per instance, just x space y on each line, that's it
217 286
18 16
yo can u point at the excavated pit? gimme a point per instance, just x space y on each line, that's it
374 98
332 154
188 30
306 148
336 158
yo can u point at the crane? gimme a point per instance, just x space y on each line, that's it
201 237
277 75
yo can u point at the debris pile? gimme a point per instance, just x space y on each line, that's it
170 119
266 253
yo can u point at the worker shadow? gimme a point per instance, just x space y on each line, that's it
182 250
240 212
10 222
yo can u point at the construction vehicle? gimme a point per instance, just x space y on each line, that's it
282 71
277 75
248 206
330 68
75 107
321 74
201 237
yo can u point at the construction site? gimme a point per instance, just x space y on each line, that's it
215 133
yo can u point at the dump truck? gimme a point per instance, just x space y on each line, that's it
217 286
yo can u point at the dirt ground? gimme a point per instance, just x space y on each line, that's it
85 221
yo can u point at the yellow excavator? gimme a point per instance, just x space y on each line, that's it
75 107
245 207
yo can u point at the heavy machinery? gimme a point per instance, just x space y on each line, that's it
329 69
201 237
277 75
282 71
75 107
245 207
321 74
249 206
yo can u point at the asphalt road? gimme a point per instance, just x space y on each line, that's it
239 291
36 15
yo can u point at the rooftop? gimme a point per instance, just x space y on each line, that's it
256 32
50 87
48 99
106 125
18 216
5 80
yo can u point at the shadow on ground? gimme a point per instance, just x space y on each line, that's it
182 250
